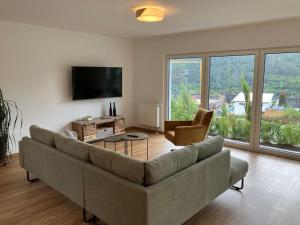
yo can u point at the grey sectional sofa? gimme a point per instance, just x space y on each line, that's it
123 191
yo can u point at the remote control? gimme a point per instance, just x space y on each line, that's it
132 135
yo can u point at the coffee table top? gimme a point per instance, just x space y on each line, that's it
139 136
114 138
122 137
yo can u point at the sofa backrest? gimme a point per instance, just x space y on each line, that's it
169 164
175 161
75 148
209 147
42 135
140 172
118 164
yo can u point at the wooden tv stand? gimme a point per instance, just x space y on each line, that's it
98 128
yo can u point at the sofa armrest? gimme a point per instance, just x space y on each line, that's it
171 125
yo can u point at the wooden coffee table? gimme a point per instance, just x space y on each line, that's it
128 137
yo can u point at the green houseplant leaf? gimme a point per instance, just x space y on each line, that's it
10 118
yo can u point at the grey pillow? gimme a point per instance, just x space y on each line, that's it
70 134
118 164
209 147
75 148
42 135
169 164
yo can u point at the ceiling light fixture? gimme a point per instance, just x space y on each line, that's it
150 14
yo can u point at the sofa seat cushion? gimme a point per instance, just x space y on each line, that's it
169 164
42 135
238 169
75 148
209 147
118 164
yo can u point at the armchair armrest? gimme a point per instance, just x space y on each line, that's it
171 125
192 128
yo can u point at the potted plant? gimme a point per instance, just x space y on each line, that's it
10 117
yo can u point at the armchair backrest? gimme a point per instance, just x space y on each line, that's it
203 117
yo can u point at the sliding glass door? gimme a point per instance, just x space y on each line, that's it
184 95
280 110
230 95
255 96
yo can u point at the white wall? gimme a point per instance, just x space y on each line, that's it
35 67
149 53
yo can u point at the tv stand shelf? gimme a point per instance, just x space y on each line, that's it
98 128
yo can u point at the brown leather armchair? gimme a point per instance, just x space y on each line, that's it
182 133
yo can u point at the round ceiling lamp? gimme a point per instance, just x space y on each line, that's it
150 14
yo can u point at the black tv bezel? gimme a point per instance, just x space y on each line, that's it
96 97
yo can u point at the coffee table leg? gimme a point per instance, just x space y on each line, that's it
115 146
147 149
126 147
131 148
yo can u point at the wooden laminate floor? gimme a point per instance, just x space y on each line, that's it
271 195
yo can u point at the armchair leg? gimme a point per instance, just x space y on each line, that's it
29 179
238 188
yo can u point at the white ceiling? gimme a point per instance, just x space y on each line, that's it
117 18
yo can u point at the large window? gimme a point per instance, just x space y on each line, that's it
255 96
184 87
280 120
230 95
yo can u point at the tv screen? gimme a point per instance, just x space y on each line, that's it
96 82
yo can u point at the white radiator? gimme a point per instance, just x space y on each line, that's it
149 115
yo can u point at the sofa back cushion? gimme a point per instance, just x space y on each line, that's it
75 148
118 164
209 147
169 164
42 135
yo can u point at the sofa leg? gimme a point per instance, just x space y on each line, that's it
31 180
84 215
238 188
94 220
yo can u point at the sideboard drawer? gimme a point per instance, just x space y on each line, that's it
89 129
104 132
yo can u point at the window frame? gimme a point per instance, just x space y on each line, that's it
167 79
261 148
229 142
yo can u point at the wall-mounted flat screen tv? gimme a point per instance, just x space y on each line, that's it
96 82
